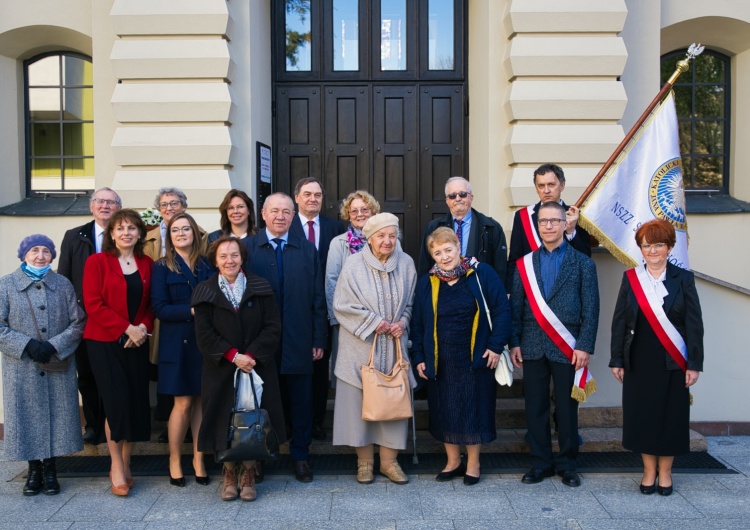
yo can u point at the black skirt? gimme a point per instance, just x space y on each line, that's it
655 402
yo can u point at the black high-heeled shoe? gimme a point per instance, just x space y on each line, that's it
648 490
470 480
203 481
445 476
664 491
179 482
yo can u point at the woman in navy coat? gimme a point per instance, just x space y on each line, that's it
180 362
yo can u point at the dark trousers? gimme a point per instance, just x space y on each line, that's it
536 380
90 400
296 396
321 383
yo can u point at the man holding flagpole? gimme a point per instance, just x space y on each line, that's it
555 312
549 183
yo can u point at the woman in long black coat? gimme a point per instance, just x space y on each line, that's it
655 394
237 326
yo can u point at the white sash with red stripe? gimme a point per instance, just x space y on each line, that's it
651 305
527 223
583 384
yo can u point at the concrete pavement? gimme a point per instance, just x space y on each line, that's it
604 501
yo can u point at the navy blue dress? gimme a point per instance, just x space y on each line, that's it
461 400
180 361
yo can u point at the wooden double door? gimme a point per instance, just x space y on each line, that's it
400 142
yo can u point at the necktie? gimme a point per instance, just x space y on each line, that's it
280 269
311 232
459 235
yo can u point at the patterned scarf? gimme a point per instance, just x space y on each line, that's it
234 292
35 273
355 238
448 276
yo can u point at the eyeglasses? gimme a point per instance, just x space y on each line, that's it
553 222
172 204
462 194
658 246
238 208
108 202
178 229
363 211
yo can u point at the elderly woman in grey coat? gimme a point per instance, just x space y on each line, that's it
372 302
41 325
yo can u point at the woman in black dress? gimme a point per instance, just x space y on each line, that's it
116 295
449 305
180 361
237 326
657 355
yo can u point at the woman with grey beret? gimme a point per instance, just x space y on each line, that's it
41 325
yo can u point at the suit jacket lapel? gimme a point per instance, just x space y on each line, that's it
672 284
471 245
566 267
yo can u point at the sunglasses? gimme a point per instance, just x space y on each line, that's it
462 194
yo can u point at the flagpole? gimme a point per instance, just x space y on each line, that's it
682 66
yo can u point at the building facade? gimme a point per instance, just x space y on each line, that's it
393 96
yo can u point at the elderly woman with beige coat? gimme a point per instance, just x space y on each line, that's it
372 302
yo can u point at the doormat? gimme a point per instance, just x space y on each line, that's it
427 463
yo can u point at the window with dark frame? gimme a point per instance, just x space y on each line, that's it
702 96
59 109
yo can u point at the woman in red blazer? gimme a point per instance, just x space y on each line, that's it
116 287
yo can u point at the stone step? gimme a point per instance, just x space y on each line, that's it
595 439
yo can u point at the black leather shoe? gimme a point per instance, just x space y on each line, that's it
260 471
302 471
571 479
89 436
664 491
49 472
203 481
648 490
445 476
470 481
33 478
179 482
319 432
535 476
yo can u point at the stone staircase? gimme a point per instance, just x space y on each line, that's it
600 428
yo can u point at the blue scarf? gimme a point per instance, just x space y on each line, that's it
35 273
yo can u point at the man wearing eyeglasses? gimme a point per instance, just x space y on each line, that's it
78 244
549 183
481 237
169 202
555 315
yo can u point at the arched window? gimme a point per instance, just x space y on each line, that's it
59 106
702 98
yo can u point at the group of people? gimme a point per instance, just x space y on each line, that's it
307 298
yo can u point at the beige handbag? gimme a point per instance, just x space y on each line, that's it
386 397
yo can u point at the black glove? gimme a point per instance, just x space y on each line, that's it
48 349
36 352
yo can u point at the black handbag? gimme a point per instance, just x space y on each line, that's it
251 435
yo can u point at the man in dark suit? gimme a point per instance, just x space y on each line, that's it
481 237
319 230
290 264
78 244
549 183
567 300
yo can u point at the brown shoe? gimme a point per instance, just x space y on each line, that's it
228 491
395 473
365 472
247 484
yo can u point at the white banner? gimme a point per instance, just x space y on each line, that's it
645 183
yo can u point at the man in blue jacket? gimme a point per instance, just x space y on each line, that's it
555 314
291 266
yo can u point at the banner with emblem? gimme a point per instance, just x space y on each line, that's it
643 184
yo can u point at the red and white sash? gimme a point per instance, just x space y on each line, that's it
528 228
651 305
583 384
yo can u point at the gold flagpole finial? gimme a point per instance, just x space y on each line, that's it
682 66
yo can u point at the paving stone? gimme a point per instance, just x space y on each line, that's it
571 504
177 507
179 525
404 502
720 523
106 509
15 508
618 524
714 504
467 505
35 526
526 524
601 482
353 524
635 505
108 526
302 506
427 524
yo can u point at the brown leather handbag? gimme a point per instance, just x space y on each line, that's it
386 397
